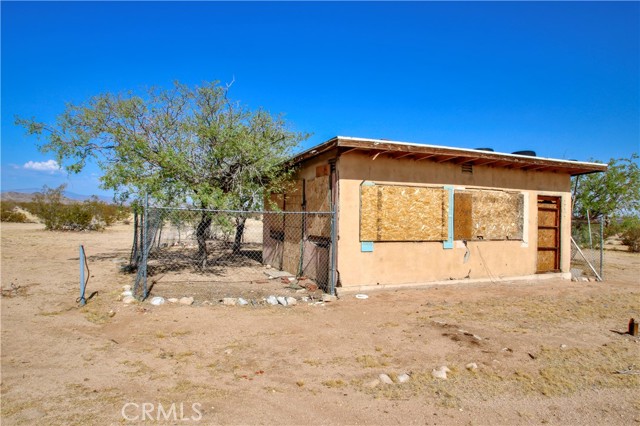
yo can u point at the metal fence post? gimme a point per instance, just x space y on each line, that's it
145 244
333 254
602 249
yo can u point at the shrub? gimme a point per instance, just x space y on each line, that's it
631 238
9 213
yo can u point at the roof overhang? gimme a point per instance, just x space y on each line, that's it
443 154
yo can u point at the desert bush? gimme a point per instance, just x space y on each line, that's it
631 233
90 215
9 213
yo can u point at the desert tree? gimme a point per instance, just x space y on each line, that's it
182 146
613 194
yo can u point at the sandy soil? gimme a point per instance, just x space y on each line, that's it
551 352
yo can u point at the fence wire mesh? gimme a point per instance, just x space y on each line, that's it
587 254
213 250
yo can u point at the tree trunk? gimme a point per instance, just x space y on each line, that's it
202 233
237 242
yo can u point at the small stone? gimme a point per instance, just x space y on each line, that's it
291 301
385 379
372 384
440 372
272 300
304 299
126 287
126 293
472 366
111 313
128 300
403 378
282 300
311 287
172 300
302 290
157 301
229 301
242 302
563 346
268 266
228 351
186 300
329 298
475 336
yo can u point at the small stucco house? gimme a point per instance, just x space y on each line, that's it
408 214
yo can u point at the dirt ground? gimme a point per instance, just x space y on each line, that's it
549 352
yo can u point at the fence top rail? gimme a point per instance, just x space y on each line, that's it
239 211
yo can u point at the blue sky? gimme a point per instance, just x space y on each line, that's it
562 79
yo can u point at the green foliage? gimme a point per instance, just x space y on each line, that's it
615 193
9 213
183 145
631 233
90 215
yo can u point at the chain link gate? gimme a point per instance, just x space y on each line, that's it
232 246
587 249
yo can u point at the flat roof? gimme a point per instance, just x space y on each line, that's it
445 154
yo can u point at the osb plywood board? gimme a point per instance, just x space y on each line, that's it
463 220
293 196
292 238
547 237
497 215
317 200
403 213
274 221
547 217
546 260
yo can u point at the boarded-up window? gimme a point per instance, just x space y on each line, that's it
403 213
488 215
317 200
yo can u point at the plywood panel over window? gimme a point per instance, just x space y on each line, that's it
488 215
403 213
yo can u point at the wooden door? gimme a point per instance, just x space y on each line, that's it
548 234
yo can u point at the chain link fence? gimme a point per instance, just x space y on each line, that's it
213 252
587 249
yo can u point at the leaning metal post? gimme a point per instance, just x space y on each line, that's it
82 299
602 249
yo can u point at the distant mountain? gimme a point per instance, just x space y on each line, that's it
27 195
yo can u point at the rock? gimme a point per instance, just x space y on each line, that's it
385 379
311 287
302 290
475 336
172 300
403 378
242 301
291 301
329 298
440 372
126 293
228 351
268 266
186 300
111 313
472 366
282 300
128 300
126 287
372 384
272 300
563 346
229 301
157 301
304 298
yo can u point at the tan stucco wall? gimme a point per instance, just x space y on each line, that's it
418 262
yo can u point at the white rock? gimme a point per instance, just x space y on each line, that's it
472 366
172 300
128 299
126 287
229 301
282 300
329 298
440 372
403 378
268 266
126 293
157 301
291 301
563 346
272 300
186 300
385 379
242 301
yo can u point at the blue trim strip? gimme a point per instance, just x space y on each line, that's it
366 246
448 244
